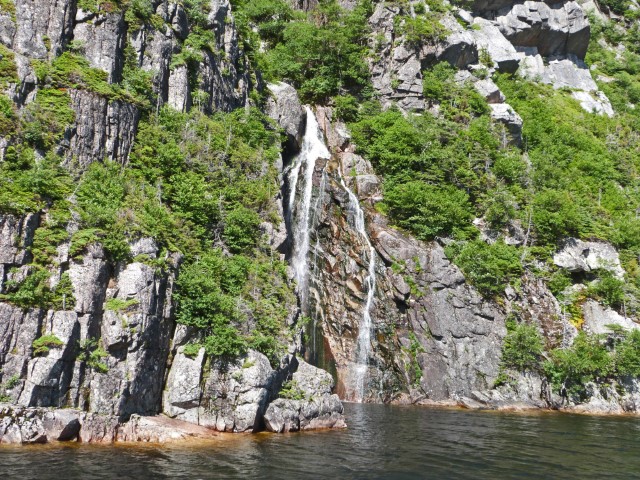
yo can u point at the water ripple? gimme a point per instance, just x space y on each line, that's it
383 442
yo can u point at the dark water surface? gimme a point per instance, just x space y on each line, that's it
381 442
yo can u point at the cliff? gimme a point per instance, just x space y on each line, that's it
180 238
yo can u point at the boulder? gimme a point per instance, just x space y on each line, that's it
285 108
503 113
578 256
489 90
597 318
489 38
314 407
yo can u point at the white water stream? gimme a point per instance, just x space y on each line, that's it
363 346
312 149
300 196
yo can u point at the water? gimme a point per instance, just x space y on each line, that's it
313 147
363 346
383 442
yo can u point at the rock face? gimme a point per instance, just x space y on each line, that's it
541 41
314 406
284 107
234 396
429 327
577 256
105 128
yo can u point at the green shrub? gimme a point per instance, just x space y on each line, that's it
490 268
42 345
92 354
428 210
241 229
607 289
323 58
422 29
121 306
627 355
8 69
555 216
587 360
291 391
522 348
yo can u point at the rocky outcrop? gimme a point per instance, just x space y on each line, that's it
580 257
312 405
233 396
429 327
552 29
20 425
103 130
285 108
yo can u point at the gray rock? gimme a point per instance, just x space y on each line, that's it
597 317
179 93
40 19
489 91
501 51
594 102
183 392
578 256
103 129
503 113
559 29
284 107
316 410
102 37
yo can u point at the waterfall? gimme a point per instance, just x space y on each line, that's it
313 147
363 346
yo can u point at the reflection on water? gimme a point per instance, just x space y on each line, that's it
382 442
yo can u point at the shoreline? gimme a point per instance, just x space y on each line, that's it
46 426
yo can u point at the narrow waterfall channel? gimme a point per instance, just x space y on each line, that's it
300 211
313 148
363 346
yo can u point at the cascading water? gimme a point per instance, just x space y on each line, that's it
312 149
300 209
363 346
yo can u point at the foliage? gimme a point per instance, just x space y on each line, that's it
292 391
587 360
47 118
522 348
236 302
325 55
92 354
118 305
42 344
607 289
489 267
8 69
627 355
429 211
